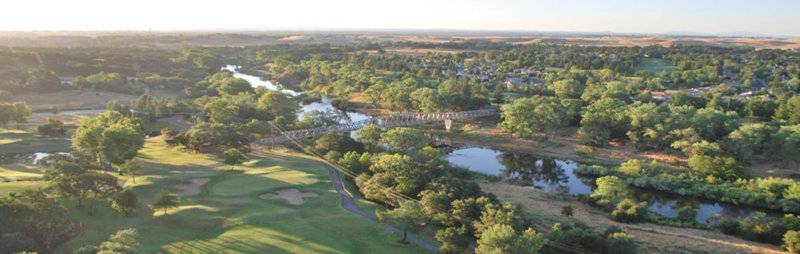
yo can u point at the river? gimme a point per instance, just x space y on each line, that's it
558 176
322 105
547 174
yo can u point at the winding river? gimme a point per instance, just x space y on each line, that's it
558 176
324 105
546 174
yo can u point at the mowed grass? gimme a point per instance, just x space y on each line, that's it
229 217
17 175
24 142
654 65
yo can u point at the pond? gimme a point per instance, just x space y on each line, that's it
558 176
323 105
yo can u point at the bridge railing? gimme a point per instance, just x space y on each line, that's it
395 120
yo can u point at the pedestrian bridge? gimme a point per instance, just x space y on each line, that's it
395 120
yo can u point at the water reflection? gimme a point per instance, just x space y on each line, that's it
558 176
324 105
548 174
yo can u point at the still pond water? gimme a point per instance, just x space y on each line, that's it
558 176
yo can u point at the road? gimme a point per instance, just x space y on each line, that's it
350 205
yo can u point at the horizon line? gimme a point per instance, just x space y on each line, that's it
411 30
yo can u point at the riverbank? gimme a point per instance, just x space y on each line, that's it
651 237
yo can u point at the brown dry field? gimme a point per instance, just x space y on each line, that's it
73 99
651 238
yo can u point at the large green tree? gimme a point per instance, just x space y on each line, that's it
534 116
409 216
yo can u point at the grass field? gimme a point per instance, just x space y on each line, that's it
228 216
654 65
24 142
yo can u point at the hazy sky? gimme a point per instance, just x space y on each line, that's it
780 17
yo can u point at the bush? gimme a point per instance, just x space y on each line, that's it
610 189
728 226
567 211
687 213
620 243
629 211
791 241
53 127
631 168
593 170
761 227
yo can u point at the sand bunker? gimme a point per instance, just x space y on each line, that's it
192 187
292 196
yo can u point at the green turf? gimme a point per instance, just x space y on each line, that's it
19 186
23 142
229 217
654 65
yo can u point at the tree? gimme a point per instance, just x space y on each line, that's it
233 157
749 139
64 177
534 116
234 86
405 139
98 186
131 168
602 120
356 162
502 238
121 142
789 110
282 108
125 202
718 166
165 200
568 88
426 99
409 215
370 135
610 190
32 222
336 141
110 135
14 112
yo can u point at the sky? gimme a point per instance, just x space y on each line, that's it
774 17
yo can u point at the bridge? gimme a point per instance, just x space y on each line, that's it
395 120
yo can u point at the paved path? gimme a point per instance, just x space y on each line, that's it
350 205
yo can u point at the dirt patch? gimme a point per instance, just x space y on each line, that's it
651 237
292 196
193 187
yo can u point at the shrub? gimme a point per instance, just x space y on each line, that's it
629 211
723 167
687 213
53 127
610 189
760 227
593 170
620 243
791 241
567 211
631 168
728 226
